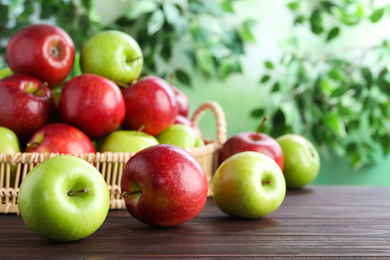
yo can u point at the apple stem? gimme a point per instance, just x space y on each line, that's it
44 84
136 58
267 182
32 145
73 193
126 193
257 137
140 129
171 77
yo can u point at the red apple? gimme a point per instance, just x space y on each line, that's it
252 141
41 50
182 103
185 121
92 103
150 102
164 185
60 138
26 104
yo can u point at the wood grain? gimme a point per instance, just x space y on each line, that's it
317 222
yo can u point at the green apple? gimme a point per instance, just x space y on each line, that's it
114 55
248 185
180 135
5 72
127 141
9 143
64 198
301 160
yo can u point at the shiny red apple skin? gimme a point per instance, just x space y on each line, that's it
60 138
182 103
150 102
43 51
92 103
250 141
185 121
22 110
168 186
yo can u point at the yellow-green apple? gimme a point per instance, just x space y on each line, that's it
252 141
301 160
44 51
64 198
185 121
164 185
60 138
127 141
248 185
26 104
5 72
150 103
114 55
9 143
183 136
92 103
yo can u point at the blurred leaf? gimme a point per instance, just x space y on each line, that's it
377 15
316 22
172 13
205 61
265 78
227 6
183 77
155 22
333 33
269 65
3 13
294 5
258 112
246 31
140 7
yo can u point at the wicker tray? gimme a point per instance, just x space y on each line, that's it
109 164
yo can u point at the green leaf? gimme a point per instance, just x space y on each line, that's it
183 77
367 75
140 7
294 5
377 15
3 14
258 112
227 6
172 13
316 22
265 78
246 31
334 122
155 22
269 65
205 61
338 92
333 33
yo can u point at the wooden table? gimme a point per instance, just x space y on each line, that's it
319 221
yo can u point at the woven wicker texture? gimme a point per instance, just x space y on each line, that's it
15 167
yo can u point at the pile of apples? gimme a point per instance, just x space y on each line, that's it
109 108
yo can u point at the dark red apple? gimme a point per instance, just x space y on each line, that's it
43 51
164 185
252 141
182 103
26 104
92 103
60 138
150 102
185 121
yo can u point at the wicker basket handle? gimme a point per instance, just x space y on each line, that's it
219 116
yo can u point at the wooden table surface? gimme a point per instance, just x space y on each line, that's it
316 222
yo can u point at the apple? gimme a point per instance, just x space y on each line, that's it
43 51
114 55
182 103
60 138
252 141
5 72
150 103
9 143
164 185
183 136
127 141
26 104
248 185
185 121
92 103
301 160
64 198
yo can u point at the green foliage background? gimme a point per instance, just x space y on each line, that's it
340 103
